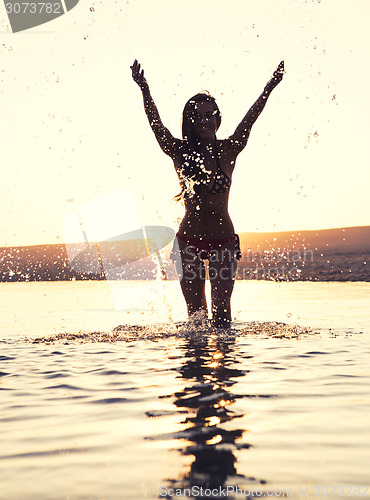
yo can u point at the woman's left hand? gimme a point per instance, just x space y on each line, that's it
276 77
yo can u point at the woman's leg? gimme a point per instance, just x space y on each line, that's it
191 273
223 264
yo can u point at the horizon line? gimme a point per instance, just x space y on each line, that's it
240 232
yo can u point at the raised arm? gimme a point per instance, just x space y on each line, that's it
239 139
164 137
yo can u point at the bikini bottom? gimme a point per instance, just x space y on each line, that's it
204 247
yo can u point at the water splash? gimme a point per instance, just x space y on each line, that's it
197 327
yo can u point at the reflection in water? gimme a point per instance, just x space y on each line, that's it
210 367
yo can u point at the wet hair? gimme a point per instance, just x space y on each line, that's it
189 110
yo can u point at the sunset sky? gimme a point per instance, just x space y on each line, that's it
73 129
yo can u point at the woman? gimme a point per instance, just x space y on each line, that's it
204 165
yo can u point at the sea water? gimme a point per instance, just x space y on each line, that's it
150 410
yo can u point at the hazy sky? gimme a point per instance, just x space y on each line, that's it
73 127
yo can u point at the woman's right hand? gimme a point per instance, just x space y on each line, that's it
138 76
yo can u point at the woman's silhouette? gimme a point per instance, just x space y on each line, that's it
204 165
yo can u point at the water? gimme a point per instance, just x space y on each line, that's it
265 408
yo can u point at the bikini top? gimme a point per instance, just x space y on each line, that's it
222 182
194 175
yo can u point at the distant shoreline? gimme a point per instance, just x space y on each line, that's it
341 254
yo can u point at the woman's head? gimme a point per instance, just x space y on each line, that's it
201 118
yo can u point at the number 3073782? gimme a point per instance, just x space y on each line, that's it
33 8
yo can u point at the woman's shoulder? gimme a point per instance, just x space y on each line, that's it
225 148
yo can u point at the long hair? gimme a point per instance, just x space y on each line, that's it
188 132
189 111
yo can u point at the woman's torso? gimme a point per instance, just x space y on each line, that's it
206 212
